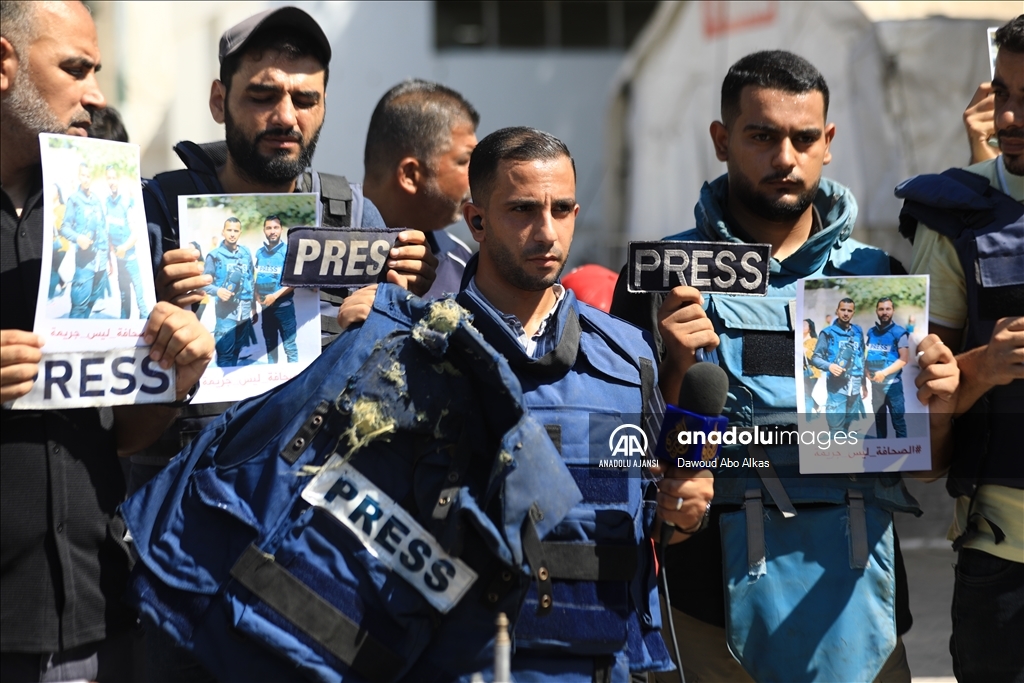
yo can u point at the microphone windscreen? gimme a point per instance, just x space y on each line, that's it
704 390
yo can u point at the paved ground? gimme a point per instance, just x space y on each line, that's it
929 561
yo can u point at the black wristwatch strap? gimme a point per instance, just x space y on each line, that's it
188 398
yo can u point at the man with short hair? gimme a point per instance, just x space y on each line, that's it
270 96
967 227
840 353
64 558
84 226
417 155
230 269
277 302
122 243
887 352
798 600
573 361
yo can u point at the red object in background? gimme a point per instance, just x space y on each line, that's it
592 284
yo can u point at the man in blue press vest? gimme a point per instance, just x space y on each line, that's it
840 353
230 268
122 243
888 349
85 227
582 620
277 302
799 598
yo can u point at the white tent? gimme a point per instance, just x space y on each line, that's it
899 73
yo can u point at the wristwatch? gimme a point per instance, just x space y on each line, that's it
702 524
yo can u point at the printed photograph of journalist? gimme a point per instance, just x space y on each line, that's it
98 232
855 372
244 244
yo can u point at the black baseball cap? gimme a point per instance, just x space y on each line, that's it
234 40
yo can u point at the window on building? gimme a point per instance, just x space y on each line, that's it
540 24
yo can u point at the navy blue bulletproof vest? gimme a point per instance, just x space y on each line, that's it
330 528
602 596
986 227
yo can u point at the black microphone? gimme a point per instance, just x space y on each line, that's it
702 397
698 416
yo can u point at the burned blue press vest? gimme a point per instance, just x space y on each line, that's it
332 527
599 603
986 227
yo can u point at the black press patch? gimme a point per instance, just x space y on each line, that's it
328 257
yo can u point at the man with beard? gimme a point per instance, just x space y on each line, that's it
277 302
85 227
775 139
582 620
417 168
64 559
270 98
122 243
967 226
840 353
887 351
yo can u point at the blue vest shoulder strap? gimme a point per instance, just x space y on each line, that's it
948 202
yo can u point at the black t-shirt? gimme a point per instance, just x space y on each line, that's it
64 562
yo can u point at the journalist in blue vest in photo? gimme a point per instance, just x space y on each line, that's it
122 244
231 266
85 227
840 353
277 302
888 349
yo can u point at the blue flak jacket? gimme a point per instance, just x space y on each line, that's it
883 349
808 597
269 266
262 586
986 228
590 384
232 270
845 348
83 217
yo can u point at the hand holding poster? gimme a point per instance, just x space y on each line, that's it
265 331
96 282
856 365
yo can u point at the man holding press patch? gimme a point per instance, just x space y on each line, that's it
271 99
775 139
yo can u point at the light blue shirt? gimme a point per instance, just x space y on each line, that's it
546 338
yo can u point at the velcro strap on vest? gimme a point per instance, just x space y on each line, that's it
314 616
858 530
589 561
768 353
771 481
534 551
756 565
